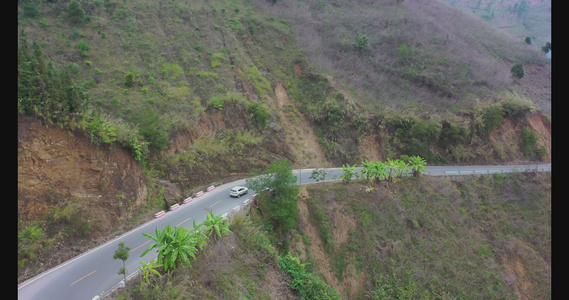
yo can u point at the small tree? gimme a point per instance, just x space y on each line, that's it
75 13
83 48
122 254
279 200
361 42
129 79
518 70
259 114
546 48
527 40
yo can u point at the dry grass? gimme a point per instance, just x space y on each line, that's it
476 237
453 58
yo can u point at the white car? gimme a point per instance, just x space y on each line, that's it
238 191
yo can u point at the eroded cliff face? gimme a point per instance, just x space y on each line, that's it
56 165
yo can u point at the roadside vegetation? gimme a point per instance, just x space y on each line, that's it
102 68
188 88
467 237
256 251
484 237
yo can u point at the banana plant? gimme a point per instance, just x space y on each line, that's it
418 165
401 167
366 172
147 270
379 171
348 172
215 224
175 246
391 165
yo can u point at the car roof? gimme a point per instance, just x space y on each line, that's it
237 187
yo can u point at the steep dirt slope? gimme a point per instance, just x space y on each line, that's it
61 172
52 159
300 135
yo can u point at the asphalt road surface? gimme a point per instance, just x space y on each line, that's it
95 273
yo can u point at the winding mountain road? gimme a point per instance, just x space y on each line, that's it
94 273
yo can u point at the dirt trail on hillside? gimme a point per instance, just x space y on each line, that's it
299 133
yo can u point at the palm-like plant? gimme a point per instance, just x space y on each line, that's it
418 165
198 237
175 246
215 224
348 172
366 172
391 165
401 167
379 171
147 270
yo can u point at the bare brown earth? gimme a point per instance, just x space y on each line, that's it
108 180
299 133
57 167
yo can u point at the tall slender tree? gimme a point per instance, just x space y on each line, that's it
122 254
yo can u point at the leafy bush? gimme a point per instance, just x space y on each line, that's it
403 52
518 70
31 10
129 79
308 285
260 115
279 201
451 135
83 48
75 13
493 117
150 126
528 140
361 42
546 48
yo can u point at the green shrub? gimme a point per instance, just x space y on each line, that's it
73 67
129 79
361 42
260 115
75 13
527 40
518 70
528 142
31 10
493 117
151 128
546 48
83 48
451 135
403 52
151 79
307 284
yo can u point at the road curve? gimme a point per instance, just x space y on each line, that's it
95 273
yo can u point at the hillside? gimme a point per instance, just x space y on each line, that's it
126 107
486 237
